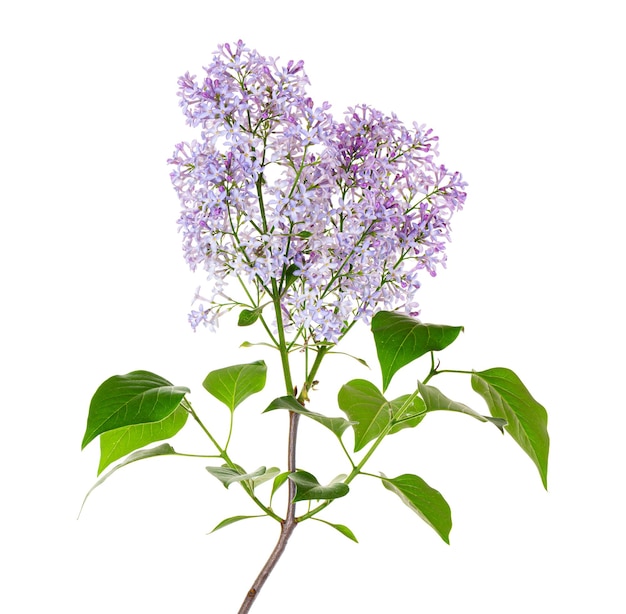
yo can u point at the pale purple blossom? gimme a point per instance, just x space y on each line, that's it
355 209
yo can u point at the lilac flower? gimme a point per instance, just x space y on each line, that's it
354 209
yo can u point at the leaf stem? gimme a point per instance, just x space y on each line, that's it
434 370
451 371
230 430
197 455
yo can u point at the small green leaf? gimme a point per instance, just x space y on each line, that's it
269 474
248 317
336 425
425 501
308 488
227 476
232 385
342 528
411 417
234 519
161 450
305 234
527 420
139 397
290 276
120 442
248 344
401 339
435 400
279 480
366 408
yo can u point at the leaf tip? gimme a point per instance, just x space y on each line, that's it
87 439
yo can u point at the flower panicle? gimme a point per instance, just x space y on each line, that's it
358 208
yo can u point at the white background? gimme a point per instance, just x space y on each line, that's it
528 103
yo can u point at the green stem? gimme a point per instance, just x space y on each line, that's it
405 406
230 430
451 371
434 370
197 455
282 345
310 378
343 447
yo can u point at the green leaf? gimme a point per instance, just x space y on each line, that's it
401 339
234 519
248 344
232 385
269 474
366 408
138 397
435 400
411 416
227 476
336 425
290 276
425 501
279 480
161 450
308 488
370 412
248 317
342 528
120 442
527 420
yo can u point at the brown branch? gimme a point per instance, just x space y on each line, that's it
287 526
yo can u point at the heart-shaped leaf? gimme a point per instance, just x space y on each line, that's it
336 425
308 488
401 339
120 442
366 408
425 501
139 397
370 412
232 385
527 420
248 317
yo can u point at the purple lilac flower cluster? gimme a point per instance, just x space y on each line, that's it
337 217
